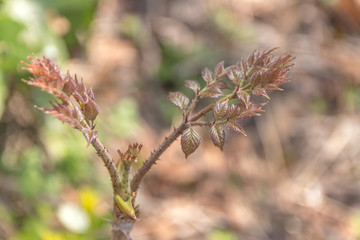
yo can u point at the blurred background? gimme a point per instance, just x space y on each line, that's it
295 176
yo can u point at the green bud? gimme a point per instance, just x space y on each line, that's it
125 207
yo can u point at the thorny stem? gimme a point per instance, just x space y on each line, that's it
109 164
155 156
121 225
169 140
202 113
125 181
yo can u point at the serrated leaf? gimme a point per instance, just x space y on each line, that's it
220 109
253 110
90 110
260 92
193 85
190 141
219 84
206 75
245 97
235 127
178 99
220 70
234 74
233 111
272 87
211 92
217 135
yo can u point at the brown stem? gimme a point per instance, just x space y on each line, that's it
155 156
202 113
192 106
199 123
109 164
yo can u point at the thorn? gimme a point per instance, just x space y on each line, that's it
108 220
110 208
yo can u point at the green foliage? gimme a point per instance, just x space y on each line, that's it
121 119
221 234
25 34
12 47
80 14
3 92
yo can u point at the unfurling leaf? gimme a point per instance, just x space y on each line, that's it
65 113
235 127
206 75
131 154
190 141
90 93
178 99
252 110
211 92
272 87
90 110
260 92
217 135
219 70
220 109
69 85
193 85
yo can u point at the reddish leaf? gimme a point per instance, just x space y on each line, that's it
233 111
211 92
244 96
69 85
193 85
81 88
190 141
131 154
219 70
234 74
217 135
178 99
272 87
65 113
219 84
220 109
253 110
90 93
206 75
235 127
90 110
260 92
243 66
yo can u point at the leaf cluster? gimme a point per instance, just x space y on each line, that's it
75 104
234 99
